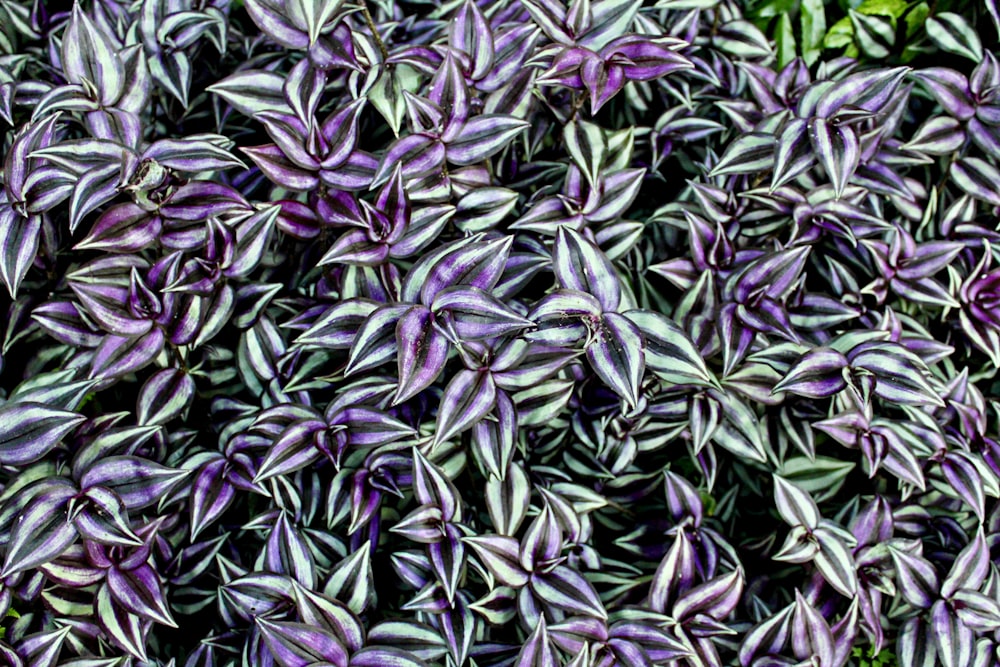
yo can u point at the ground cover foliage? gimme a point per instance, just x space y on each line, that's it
616 333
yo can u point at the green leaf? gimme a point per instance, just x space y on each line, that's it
784 40
916 17
952 33
768 10
821 477
839 35
891 8
812 19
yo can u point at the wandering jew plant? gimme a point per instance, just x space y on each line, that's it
392 333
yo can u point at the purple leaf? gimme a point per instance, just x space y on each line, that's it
615 352
950 89
818 374
118 355
415 154
193 154
43 530
482 137
478 315
537 651
423 350
500 555
299 645
580 265
90 57
566 589
139 592
164 396
29 431
716 598
837 149
918 582
104 519
293 450
385 657
375 342
252 91
123 228
139 482
954 640
970 568
835 563
794 504
280 170
124 629
475 262
978 178
19 243
467 399
211 494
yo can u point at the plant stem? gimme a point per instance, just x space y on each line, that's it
371 26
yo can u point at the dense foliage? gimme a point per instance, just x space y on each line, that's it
616 333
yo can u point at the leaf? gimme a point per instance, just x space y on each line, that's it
416 155
954 640
978 178
748 154
385 657
537 650
484 136
104 518
124 228
164 396
716 598
918 582
139 482
194 153
89 57
615 353
875 36
19 239
818 374
939 135
477 314
211 494
587 148
835 562
139 592
124 629
117 356
838 150
423 350
467 399
252 91
351 581
784 40
952 33
29 431
567 589
43 530
970 568
293 450
500 555
580 265
470 33
812 22
796 506
299 645
899 373
475 262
